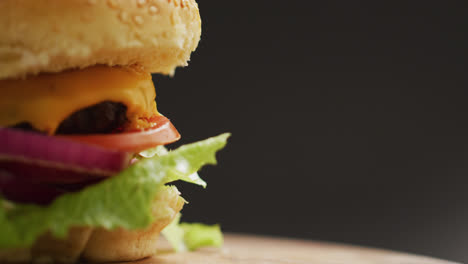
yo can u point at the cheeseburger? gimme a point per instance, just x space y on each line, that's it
84 174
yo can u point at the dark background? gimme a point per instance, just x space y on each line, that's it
349 121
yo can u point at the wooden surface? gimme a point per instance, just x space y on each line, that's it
263 250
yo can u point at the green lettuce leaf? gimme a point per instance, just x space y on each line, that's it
125 200
153 152
174 234
190 236
161 151
201 235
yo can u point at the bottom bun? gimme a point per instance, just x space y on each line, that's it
99 245
49 249
122 245
18 255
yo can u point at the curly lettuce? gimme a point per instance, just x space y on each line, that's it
190 236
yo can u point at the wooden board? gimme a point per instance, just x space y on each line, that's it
263 250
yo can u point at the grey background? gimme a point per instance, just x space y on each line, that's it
349 121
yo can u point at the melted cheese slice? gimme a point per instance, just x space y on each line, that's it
46 100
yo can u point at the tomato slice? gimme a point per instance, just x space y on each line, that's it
161 134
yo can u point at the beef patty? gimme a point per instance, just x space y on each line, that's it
105 117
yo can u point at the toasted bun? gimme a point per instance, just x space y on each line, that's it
49 249
122 245
54 35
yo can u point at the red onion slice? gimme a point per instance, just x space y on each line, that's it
37 173
18 190
56 160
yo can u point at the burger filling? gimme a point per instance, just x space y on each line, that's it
84 148
111 107
98 99
102 118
